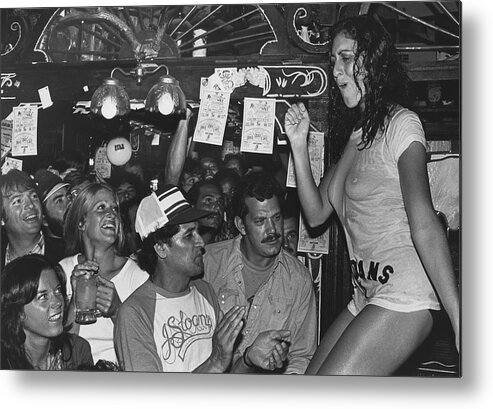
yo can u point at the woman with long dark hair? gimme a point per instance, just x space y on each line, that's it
94 245
379 189
34 315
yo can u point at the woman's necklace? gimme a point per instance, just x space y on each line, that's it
52 362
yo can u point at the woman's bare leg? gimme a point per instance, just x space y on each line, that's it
377 342
328 341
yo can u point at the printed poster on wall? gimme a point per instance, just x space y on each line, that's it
230 78
212 83
25 131
7 126
211 121
102 165
11 163
259 116
316 154
309 244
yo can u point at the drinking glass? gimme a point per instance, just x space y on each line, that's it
85 299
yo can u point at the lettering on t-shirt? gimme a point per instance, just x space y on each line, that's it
374 272
181 332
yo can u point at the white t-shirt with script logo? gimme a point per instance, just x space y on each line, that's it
157 331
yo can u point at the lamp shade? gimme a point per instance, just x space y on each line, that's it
166 97
110 99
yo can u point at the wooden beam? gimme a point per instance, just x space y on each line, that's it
78 81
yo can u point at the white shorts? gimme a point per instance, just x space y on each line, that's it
359 301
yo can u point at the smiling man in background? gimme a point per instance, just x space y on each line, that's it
22 219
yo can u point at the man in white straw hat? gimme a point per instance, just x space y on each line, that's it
173 323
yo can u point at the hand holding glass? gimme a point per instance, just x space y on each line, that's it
85 299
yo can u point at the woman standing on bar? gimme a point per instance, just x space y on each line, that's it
379 189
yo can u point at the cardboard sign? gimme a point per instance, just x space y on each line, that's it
11 163
102 165
211 121
316 155
25 131
7 126
309 244
259 116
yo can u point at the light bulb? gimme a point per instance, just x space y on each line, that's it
165 104
108 109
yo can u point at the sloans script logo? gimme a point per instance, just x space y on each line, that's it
181 332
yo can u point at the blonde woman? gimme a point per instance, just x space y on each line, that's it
94 243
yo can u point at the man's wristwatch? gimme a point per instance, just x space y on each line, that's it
246 361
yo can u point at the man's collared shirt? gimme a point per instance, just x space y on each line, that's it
39 248
286 300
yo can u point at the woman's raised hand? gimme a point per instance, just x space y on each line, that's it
296 124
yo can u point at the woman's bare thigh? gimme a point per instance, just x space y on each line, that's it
377 342
328 341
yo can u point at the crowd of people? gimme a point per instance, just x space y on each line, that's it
201 274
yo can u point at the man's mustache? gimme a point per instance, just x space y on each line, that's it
271 237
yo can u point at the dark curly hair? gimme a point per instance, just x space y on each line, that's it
193 194
241 162
119 177
386 82
20 281
146 256
259 185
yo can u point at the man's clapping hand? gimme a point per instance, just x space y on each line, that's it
223 342
269 350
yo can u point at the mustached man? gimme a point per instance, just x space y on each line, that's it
254 271
173 323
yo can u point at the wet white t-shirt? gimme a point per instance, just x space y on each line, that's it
386 268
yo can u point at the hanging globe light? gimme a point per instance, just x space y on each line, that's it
166 97
110 99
